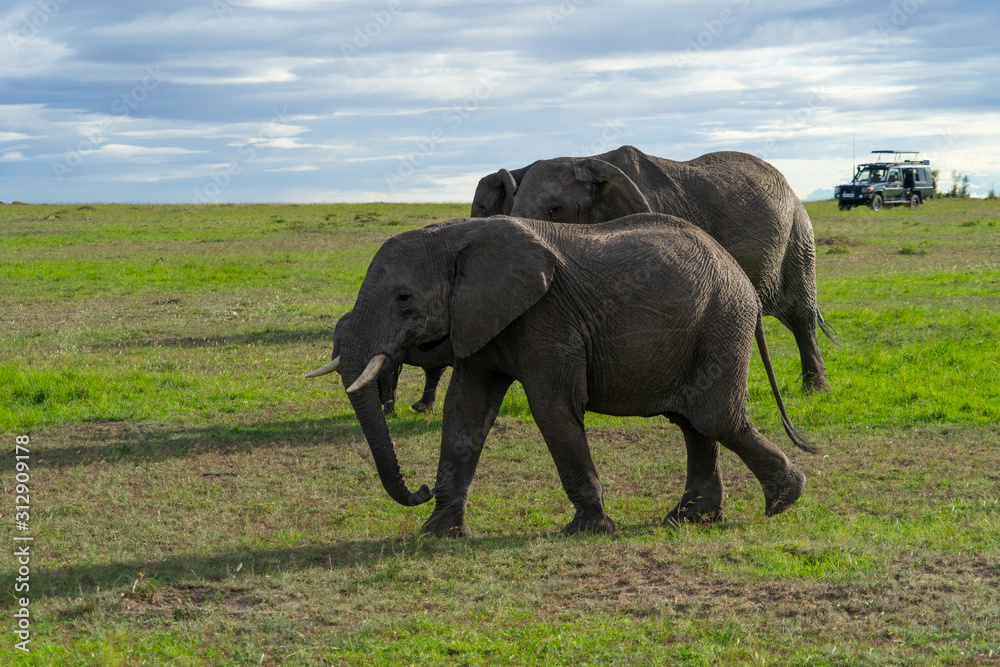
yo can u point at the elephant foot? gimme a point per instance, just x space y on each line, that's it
815 383
420 406
782 490
694 510
389 408
440 525
589 523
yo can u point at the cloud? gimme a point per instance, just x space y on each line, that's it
143 154
266 100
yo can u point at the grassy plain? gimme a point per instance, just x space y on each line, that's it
196 501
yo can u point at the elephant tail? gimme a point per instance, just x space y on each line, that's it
826 328
766 358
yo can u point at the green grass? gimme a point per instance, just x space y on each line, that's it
196 501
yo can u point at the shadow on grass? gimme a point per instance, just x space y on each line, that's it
210 569
254 338
215 569
126 442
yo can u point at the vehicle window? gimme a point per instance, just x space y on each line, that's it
894 176
873 174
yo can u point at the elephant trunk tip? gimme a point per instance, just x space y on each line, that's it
421 496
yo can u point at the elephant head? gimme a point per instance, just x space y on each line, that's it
494 195
447 282
577 190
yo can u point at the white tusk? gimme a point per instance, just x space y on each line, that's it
329 368
370 372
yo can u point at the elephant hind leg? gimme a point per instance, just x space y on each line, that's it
780 480
703 492
813 369
802 324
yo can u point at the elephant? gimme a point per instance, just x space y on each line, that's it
646 315
432 359
495 192
740 200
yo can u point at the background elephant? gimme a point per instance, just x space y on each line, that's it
646 315
433 359
740 200
495 192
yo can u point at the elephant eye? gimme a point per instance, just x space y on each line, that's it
403 298
554 210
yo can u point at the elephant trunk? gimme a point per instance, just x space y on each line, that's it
369 413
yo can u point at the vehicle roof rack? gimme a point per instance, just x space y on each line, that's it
897 156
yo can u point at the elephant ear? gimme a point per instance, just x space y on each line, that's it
616 195
501 270
509 186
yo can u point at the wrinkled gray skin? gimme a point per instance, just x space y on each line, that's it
433 359
641 316
740 200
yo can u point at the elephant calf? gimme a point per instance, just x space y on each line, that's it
646 315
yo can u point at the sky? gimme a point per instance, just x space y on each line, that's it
194 101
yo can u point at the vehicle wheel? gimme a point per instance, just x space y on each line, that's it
876 203
914 200
842 206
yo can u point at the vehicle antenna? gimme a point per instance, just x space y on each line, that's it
854 153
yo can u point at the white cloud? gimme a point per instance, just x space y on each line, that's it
13 136
132 153
447 92
298 168
222 131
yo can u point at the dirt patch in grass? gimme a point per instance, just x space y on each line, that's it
838 241
183 602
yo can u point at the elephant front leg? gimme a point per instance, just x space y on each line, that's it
703 492
432 376
470 408
563 431
388 379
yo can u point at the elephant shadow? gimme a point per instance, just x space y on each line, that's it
211 575
122 441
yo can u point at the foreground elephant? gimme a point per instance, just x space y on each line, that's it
433 359
740 200
641 316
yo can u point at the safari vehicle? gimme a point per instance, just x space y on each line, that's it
888 182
